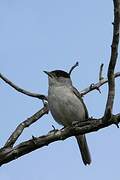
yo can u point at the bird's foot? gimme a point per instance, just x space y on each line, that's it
54 130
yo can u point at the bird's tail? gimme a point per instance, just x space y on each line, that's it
81 139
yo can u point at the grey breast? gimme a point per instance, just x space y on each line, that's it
65 106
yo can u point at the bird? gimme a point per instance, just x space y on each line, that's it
67 106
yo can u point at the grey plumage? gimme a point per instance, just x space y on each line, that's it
67 106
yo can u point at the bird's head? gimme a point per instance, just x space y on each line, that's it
58 77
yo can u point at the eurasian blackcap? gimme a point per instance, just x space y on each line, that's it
67 106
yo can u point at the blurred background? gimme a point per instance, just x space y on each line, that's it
47 35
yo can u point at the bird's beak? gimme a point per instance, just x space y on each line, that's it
48 73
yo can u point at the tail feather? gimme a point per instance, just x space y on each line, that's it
81 139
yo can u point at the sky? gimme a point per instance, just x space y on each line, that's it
47 35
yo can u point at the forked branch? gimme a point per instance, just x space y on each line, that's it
113 59
8 154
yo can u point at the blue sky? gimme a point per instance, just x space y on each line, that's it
46 35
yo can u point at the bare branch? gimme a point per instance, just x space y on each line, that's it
73 67
17 88
42 97
96 86
100 73
11 153
113 59
18 131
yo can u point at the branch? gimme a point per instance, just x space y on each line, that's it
18 131
100 73
17 88
97 85
43 97
113 59
11 153
73 67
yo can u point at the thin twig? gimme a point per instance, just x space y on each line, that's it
100 72
18 131
73 67
11 153
42 97
96 86
113 59
17 88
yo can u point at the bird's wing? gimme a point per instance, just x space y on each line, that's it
76 92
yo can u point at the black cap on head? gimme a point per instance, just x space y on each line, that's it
60 73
